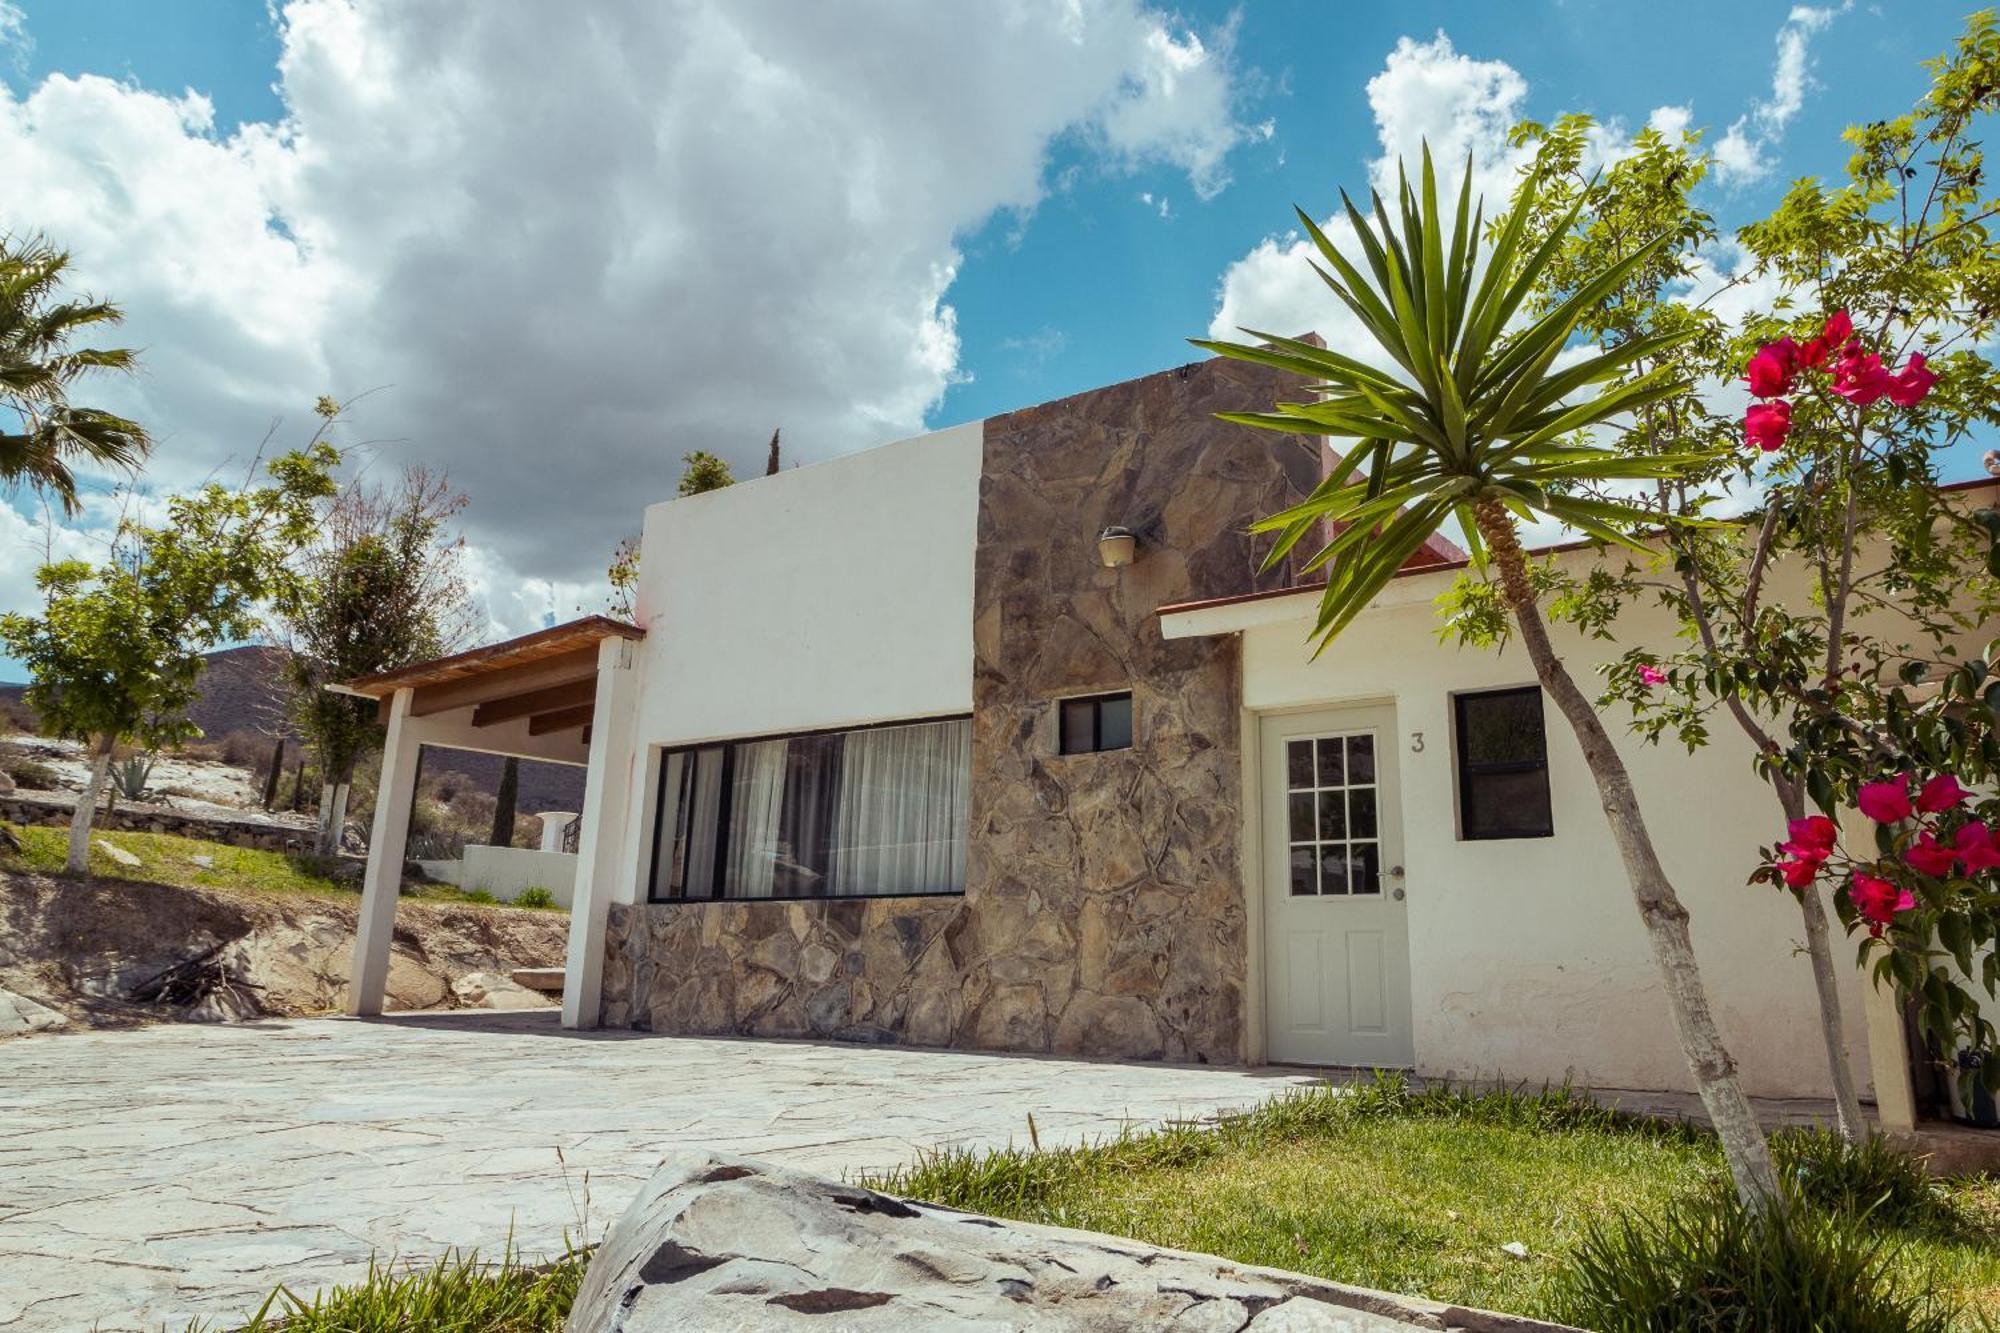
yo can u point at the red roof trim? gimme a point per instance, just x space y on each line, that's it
1460 562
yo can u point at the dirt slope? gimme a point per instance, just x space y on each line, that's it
82 947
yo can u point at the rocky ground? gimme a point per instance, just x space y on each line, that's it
105 953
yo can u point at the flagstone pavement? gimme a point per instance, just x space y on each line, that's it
152 1176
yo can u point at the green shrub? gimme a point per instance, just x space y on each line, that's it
477 896
1704 1265
1871 1177
1550 1109
459 1294
535 896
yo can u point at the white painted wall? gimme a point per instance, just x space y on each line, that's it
1528 960
505 871
826 596
836 593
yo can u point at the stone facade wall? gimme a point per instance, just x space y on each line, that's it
50 810
1126 862
1104 911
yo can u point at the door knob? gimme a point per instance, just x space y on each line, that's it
1396 872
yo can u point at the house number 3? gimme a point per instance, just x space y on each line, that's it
1416 742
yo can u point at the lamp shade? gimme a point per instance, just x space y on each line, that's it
1116 547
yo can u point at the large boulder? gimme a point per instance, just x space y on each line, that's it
719 1242
20 1015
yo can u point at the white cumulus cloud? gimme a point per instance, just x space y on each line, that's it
1745 150
568 246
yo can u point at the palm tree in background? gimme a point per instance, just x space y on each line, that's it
48 437
1465 418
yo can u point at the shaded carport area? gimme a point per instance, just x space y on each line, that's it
563 695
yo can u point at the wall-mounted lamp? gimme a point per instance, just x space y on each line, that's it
1116 547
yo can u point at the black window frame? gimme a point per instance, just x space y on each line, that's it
1096 702
725 797
1469 771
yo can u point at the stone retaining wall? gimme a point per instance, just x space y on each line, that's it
54 810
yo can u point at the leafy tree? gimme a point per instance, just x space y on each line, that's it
117 653
624 579
47 434
1847 481
380 585
503 807
1464 418
703 472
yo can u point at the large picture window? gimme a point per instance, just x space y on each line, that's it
873 812
1503 765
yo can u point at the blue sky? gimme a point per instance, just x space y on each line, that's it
377 211
1097 287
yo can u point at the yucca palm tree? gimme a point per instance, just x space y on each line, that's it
1466 417
48 436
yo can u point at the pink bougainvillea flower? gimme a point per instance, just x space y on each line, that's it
1860 377
1926 857
1770 371
1815 354
1813 838
1879 901
1652 675
1885 802
1940 793
1912 383
1766 425
1799 874
1975 845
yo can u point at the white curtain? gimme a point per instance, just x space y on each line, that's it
756 801
903 807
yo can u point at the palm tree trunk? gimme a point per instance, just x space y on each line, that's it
1660 908
78 860
1833 1027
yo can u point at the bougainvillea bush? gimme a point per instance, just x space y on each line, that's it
1830 593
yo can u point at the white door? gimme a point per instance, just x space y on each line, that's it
1336 927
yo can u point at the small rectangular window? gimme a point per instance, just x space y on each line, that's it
1503 765
1098 722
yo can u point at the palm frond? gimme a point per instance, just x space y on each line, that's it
1459 408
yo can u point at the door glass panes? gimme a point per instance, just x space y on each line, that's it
1331 816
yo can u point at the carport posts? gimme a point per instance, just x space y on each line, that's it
607 788
368 979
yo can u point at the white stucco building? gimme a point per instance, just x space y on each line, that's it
893 754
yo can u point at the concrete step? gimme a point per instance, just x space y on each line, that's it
546 979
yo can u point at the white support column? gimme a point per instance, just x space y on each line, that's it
607 788
368 979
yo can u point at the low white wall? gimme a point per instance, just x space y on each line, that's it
505 871
1527 957
444 872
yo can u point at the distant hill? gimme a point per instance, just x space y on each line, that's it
243 691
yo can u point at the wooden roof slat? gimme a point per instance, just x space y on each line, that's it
535 701
504 682
541 724
556 641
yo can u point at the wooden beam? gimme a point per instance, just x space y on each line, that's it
541 724
486 686
535 701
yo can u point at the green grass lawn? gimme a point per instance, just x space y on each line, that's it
1417 1199
167 859
1415 1193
